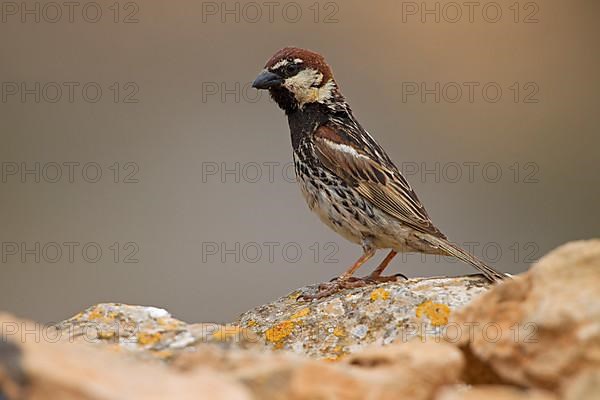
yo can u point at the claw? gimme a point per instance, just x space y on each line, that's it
384 279
335 286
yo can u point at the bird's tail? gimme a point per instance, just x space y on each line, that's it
452 250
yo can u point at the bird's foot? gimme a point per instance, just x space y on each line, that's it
336 285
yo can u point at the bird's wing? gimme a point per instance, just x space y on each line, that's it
371 174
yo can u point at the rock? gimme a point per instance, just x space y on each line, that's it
543 327
414 370
584 386
49 366
42 366
150 331
411 370
348 321
492 392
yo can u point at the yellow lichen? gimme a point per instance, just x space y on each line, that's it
339 331
251 323
148 339
380 294
437 313
96 313
301 314
294 295
279 331
106 335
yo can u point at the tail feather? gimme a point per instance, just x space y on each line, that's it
455 251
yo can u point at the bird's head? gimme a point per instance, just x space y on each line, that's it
298 77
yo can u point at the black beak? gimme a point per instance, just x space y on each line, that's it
267 80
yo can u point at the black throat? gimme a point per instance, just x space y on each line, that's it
305 120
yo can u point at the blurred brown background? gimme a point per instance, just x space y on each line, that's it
513 174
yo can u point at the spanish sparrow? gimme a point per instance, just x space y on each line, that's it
345 176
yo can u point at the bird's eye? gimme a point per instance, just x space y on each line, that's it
292 69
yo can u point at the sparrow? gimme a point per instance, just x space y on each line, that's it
346 177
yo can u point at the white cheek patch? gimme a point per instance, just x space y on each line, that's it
303 87
304 79
326 92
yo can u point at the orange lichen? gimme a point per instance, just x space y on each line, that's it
148 339
279 331
301 314
437 313
380 294
339 331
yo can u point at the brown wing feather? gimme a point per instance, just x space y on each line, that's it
382 185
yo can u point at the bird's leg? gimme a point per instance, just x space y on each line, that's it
346 276
375 276
345 280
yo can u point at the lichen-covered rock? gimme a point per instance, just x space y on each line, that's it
543 327
150 331
34 365
350 320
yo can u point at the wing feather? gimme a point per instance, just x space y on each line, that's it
379 182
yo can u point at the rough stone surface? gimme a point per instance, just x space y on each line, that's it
583 386
150 331
543 327
414 370
353 319
492 392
